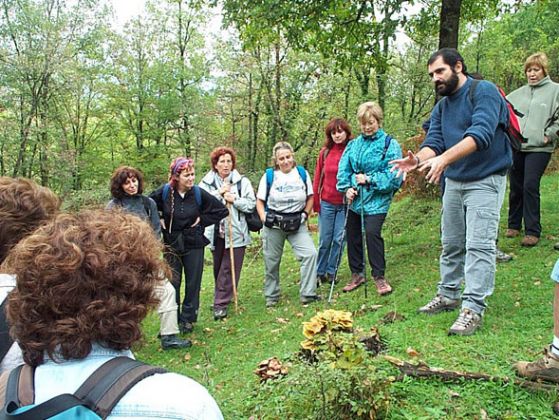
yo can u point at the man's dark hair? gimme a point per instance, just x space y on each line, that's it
450 56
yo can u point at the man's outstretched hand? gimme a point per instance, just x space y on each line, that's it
404 165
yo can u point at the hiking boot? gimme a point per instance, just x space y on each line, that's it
439 304
171 341
502 257
556 246
186 327
310 299
466 324
530 240
383 287
270 303
356 281
321 279
220 313
546 368
512 233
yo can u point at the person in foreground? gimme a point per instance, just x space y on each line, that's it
24 206
284 201
226 184
547 368
538 101
127 186
186 210
328 202
369 185
85 282
466 141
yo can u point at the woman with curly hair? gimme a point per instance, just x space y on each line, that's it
328 201
85 282
226 184
186 210
127 185
24 206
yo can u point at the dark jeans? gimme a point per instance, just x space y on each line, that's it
192 263
222 272
375 243
524 197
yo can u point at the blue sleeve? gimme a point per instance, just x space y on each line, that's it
346 177
488 104
384 180
434 139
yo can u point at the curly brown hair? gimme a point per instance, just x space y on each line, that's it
24 206
83 279
220 151
119 177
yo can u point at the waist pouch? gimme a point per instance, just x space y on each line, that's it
189 238
287 222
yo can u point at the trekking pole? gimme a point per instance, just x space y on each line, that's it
363 240
339 259
232 258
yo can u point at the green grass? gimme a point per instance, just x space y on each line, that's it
517 325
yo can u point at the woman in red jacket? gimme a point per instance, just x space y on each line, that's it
329 203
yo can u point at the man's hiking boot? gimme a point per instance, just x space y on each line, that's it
383 287
546 368
466 324
530 240
171 341
310 299
356 281
512 233
186 327
502 256
556 246
439 304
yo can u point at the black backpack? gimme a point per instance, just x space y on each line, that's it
94 399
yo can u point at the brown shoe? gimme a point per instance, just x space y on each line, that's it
383 287
356 281
530 240
512 233
546 369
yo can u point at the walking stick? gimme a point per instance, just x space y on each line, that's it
232 258
363 240
339 259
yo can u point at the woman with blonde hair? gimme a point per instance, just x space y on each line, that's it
284 201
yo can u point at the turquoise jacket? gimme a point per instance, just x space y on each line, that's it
365 155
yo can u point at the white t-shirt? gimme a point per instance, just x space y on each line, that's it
288 194
14 357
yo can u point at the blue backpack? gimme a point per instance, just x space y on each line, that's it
197 193
270 180
94 399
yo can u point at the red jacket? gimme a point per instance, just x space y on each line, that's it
328 170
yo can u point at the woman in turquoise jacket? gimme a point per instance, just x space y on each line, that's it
365 178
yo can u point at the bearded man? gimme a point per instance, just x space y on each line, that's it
467 142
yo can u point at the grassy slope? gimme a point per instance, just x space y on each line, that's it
518 323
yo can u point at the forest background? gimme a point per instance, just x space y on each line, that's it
78 97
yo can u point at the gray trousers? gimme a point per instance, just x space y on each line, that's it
167 308
305 252
470 222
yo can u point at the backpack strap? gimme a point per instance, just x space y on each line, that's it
5 339
197 195
472 90
166 191
269 181
110 382
387 140
303 175
323 155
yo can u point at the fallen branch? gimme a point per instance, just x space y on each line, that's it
422 370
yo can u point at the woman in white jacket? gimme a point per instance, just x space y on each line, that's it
226 184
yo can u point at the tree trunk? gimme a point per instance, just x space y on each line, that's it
450 23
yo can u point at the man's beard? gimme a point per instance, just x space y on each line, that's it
448 87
